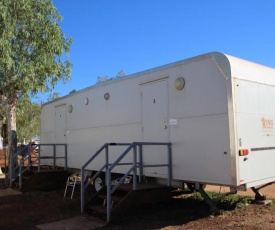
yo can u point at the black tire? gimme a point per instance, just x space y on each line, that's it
192 187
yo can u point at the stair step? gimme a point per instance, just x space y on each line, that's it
16 183
125 187
97 208
26 177
113 198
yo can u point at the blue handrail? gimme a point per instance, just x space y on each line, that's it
26 156
132 147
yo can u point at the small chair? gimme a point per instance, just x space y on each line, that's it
73 180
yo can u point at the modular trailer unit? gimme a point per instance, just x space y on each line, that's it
216 110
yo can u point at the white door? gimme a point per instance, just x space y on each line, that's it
155 124
60 124
60 132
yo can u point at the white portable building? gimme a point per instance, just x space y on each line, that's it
216 110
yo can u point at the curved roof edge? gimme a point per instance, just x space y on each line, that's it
219 58
222 63
251 71
230 67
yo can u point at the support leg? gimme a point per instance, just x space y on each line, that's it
209 201
258 194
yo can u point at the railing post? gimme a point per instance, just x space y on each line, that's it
66 159
106 160
82 190
29 156
38 160
20 173
140 163
54 155
108 181
169 164
136 163
135 167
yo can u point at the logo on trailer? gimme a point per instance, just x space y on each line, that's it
267 123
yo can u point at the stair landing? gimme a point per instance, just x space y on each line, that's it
46 179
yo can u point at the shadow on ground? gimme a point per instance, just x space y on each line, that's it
181 210
40 207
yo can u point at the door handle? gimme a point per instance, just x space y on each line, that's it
165 122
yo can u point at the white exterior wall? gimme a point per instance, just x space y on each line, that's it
204 120
201 136
254 90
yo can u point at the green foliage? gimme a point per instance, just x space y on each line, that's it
2 113
28 119
53 96
225 203
32 47
73 91
33 57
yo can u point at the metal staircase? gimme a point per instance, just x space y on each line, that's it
27 171
115 197
125 197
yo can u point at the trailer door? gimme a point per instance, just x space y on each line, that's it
155 124
60 131
60 124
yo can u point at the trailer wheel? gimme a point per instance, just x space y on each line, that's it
192 187
98 183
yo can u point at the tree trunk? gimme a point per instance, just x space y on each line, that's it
11 115
12 143
13 150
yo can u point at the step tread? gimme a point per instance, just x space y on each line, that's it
113 198
26 177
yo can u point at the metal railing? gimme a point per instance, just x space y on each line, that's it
14 166
17 170
53 156
136 164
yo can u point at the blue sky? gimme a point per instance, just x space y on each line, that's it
111 35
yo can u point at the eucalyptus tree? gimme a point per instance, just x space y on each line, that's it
52 96
34 51
28 119
33 55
